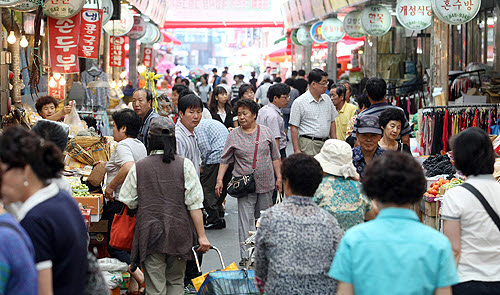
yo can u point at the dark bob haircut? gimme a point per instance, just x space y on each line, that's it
244 88
179 88
190 101
363 101
303 174
301 73
277 90
247 104
394 177
289 82
129 119
149 94
52 131
376 88
391 114
45 100
473 152
316 74
19 148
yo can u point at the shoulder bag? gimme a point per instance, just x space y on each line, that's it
485 203
240 186
122 231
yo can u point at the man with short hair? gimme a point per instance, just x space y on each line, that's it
301 83
369 134
261 94
141 100
190 113
216 78
312 117
294 74
376 89
346 111
270 115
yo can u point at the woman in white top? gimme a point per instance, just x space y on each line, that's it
204 89
474 236
220 107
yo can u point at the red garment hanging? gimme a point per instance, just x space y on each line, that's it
445 129
474 122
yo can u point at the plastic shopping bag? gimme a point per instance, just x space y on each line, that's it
74 122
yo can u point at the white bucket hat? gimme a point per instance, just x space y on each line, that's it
336 158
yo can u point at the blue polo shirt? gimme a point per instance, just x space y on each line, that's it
394 254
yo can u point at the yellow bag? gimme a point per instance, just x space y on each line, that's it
198 281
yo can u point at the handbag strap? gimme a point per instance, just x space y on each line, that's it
256 147
485 203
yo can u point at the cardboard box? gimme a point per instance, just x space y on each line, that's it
94 203
99 227
431 209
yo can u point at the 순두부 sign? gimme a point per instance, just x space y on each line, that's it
376 20
89 33
352 24
414 14
456 12
63 44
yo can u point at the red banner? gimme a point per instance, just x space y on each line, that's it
89 33
148 57
58 92
63 44
117 51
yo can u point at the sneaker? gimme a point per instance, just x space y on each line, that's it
189 289
243 262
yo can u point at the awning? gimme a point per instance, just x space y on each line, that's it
221 24
167 38
280 40
280 55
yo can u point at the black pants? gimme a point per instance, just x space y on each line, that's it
212 203
477 288
275 192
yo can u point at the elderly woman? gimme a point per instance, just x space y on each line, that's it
239 149
391 121
339 193
297 240
474 236
394 253
46 107
50 216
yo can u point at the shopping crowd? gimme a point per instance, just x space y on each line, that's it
173 168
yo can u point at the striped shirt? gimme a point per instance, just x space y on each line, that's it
211 135
313 118
376 109
187 145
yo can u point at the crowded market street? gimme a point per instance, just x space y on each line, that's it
218 147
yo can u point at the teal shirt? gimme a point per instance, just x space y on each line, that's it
394 254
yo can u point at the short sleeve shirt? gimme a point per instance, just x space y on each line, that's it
313 118
358 159
394 252
376 109
270 116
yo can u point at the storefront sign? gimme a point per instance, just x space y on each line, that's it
139 28
26 6
89 33
456 12
414 15
304 36
293 36
376 20
105 5
147 60
61 9
58 92
117 51
333 29
150 35
120 27
9 3
63 44
352 24
316 32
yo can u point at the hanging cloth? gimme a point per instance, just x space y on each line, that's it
474 122
445 129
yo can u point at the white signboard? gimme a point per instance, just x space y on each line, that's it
414 14
120 27
150 35
26 6
304 36
9 3
139 28
61 9
456 12
376 20
352 24
333 29
105 5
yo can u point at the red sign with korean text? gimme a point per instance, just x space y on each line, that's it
148 57
63 44
89 33
117 51
58 92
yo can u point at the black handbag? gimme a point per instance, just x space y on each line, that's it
240 186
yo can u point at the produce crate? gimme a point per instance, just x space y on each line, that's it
93 202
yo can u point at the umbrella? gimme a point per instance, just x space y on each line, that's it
164 65
198 71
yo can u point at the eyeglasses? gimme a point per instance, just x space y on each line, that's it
323 84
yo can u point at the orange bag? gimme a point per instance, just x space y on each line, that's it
122 231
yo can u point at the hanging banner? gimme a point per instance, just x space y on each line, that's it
27 6
120 27
139 29
456 12
61 9
63 44
89 33
376 20
147 59
105 5
414 15
333 29
58 92
304 36
316 32
293 36
117 51
352 24
9 3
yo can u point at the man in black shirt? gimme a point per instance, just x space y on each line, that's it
301 83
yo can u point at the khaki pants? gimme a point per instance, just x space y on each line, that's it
164 275
310 147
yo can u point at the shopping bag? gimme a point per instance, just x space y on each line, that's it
229 282
198 281
122 231
74 122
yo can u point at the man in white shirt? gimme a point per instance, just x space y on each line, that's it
261 94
